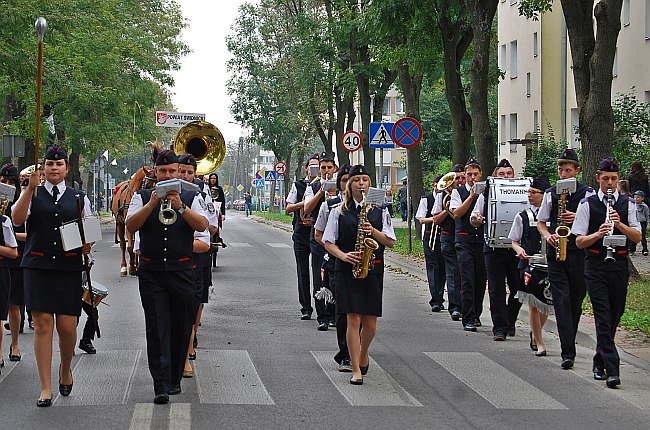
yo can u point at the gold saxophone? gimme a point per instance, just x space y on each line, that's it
365 245
562 230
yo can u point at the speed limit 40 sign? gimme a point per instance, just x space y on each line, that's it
352 141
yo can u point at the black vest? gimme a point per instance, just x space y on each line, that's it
572 203
312 240
596 253
330 264
15 262
464 230
448 225
348 222
300 231
429 227
531 239
166 248
43 247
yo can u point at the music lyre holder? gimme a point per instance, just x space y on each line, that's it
87 265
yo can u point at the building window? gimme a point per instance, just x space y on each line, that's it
536 123
503 130
528 84
513 126
626 12
647 97
399 105
386 108
513 59
647 19
535 44
502 64
615 67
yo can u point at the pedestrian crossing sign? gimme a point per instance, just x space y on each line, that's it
380 133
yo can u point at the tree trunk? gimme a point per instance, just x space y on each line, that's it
342 106
456 38
482 15
411 88
361 58
593 60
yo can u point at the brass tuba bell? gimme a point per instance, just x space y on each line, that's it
205 142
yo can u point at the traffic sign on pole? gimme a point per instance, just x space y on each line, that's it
352 141
407 132
280 167
380 135
270 175
240 187
259 183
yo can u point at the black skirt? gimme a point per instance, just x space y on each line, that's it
359 296
5 287
53 291
17 294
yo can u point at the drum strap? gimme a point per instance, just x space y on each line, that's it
532 219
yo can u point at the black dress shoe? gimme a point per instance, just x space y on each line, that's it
436 308
43 403
332 323
613 381
469 327
192 356
7 327
567 363
305 316
540 353
364 369
455 315
354 381
499 337
175 389
324 326
345 365
511 332
64 389
477 323
532 345
86 345
161 399
599 374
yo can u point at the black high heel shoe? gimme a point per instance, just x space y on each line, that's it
64 389
354 381
532 345
43 403
12 356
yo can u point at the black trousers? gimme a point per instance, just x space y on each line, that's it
608 292
568 290
317 254
501 265
435 264
472 279
341 326
302 251
89 327
452 272
167 302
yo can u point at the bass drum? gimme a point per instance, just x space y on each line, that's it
507 197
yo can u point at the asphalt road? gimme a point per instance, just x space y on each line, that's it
259 366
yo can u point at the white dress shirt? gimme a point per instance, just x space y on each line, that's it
87 210
547 203
517 229
8 233
293 194
331 233
198 206
455 197
580 225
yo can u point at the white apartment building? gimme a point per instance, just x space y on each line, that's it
538 93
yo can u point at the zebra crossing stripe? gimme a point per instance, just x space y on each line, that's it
229 377
378 389
180 417
278 245
502 388
240 244
142 416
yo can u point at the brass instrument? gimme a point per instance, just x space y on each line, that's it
562 230
7 195
608 220
166 215
365 245
447 184
205 142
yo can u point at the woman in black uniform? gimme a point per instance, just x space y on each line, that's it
360 299
9 175
8 251
52 276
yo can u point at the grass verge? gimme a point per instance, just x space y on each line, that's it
637 306
402 245
274 216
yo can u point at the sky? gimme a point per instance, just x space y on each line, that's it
200 84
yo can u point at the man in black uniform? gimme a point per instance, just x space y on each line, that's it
435 262
442 218
566 277
469 247
166 279
300 237
606 269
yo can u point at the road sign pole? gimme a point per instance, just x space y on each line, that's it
380 179
408 202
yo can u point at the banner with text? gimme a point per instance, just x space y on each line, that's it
176 119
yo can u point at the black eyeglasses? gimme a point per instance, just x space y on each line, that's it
535 192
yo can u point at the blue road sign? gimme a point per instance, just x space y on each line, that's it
381 135
407 132
259 183
270 175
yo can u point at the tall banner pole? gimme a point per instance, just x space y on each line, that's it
41 26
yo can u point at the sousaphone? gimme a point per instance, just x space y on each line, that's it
205 142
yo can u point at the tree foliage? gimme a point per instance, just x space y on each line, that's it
631 130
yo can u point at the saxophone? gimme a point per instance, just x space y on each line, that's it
562 230
365 245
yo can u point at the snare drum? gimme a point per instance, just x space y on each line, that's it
99 292
508 197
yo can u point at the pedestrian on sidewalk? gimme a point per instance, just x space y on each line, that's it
248 201
642 215
606 270
402 196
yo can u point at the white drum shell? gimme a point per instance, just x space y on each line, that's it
507 197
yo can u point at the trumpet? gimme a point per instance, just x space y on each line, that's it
447 184
166 215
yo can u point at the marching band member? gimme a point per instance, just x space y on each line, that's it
52 276
606 269
566 277
342 357
314 197
166 279
526 241
443 218
9 175
469 248
300 237
8 252
502 265
360 299
435 262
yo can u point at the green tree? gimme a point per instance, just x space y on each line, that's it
631 130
